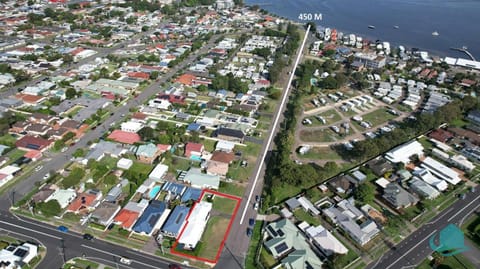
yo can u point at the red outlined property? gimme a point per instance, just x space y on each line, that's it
221 218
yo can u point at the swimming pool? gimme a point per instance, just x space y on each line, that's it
154 191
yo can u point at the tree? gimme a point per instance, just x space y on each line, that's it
70 93
154 75
146 133
202 88
78 153
365 193
58 145
49 209
110 179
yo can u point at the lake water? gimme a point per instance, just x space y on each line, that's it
456 21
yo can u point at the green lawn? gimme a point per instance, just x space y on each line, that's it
330 116
250 261
231 188
425 143
472 229
302 215
209 144
251 149
321 153
176 163
237 172
267 260
453 262
8 140
81 263
213 237
224 205
378 116
323 135
342 261
14 155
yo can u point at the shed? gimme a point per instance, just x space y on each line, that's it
359 176
293 203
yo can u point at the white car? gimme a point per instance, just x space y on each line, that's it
64 149
46 176
125 261
255 206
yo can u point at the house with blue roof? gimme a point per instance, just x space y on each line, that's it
191 194
193 127
174 188
221 93
152 218
175 221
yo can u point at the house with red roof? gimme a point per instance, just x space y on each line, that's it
126 218
441 135
172 98
124 137
185 79
29 142
140 75
34 155
85 202
163 148
194 150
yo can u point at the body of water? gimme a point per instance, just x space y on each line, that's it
456 21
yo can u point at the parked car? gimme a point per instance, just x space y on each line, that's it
249 232
125 260
88 237
462 196
257 198
63 229
64 149
251 222
255 206
46 176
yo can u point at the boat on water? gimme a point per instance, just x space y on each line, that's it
371 26
396 27
435 33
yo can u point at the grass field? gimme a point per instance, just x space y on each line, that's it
301 215
224 205
213 237
8 140
14 155
231 188
323 135
323 153
378 117
454 262
330 116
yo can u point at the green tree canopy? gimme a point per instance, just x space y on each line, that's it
49 209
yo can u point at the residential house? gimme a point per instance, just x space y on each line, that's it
423 189
63 197
152 218
37 129
18 256
115 192
474 116
124 163
197 221
287 244
361 233
398 197
441 171
194 150
129 214
230 135
217 168
402 153
293 203
225 146
325 241
147 153
174 189
103 148
343 184
175 221
105 213
158 172
7 173
131 126
85 202
124 137
441 135
28 142
191 194
430 179
197 179
42 118
43 193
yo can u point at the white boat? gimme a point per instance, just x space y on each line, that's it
352 39
328 32
396 26
371 26
435 33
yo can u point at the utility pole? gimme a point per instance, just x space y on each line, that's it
13 197
63 251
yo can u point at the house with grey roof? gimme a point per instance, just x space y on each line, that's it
197 179
398 197
104 147
288 244
354 223
104 213
423 189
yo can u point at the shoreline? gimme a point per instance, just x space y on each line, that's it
448 52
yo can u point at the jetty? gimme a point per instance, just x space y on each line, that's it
465 50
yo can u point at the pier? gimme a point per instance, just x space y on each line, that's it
464 50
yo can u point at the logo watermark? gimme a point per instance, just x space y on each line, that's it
450 241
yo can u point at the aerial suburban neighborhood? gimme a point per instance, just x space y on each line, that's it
213 134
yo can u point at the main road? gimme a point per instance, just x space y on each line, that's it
236 247
415 248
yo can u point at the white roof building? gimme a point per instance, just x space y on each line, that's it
403 152
462 162
430 179
63 197
14 257
158 172
441 171
124 163
308 206
225 146
196 223
325 241
131 126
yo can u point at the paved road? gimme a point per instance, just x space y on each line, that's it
236 247
74 245
415 248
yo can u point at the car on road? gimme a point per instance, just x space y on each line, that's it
255 206
249 232
125 260
251 222
38 168
64 149
257 198
46 176
88 237
462 196
174 266
62 228
472 189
